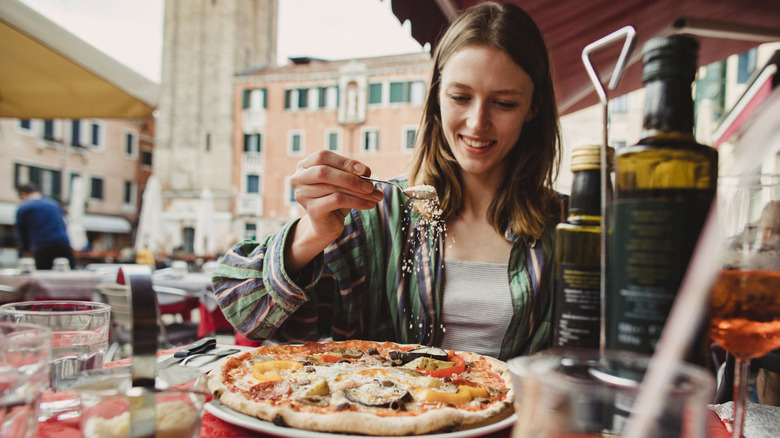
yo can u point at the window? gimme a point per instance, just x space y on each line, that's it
49 181
296 143
96 188
25 125
48 130
146 158
619 105
250 231
398 92
303 98
417 92
130 144
375 93
253 184
332 141
746 64
255 99
95 137
208 142
288 99
290 194
409 135
370 140
407 92
253 142
322 97
75 132
128 198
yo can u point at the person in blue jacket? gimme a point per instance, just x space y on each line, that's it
40 228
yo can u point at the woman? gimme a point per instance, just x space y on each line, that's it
355 267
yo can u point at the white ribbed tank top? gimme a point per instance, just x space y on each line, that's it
477 306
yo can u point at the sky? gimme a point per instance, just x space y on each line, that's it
130 31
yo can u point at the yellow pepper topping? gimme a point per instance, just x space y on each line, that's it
464 395
269 371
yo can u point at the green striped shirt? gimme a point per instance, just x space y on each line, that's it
380 280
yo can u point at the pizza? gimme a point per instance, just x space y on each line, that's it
363 387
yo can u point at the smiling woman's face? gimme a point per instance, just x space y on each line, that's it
485 99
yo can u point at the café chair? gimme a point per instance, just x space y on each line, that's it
171 334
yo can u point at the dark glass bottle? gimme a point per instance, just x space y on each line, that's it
664 187
577 303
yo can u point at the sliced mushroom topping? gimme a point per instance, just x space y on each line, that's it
378 393
408 356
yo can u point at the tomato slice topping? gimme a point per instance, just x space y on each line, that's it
330 358
459 367
269 390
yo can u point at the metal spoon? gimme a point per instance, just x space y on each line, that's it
418 195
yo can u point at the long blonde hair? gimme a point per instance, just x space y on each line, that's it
526 200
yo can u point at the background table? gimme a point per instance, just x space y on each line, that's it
53 285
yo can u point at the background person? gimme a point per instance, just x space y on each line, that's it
352 267
40 228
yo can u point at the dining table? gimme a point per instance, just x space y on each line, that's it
79 285
213 426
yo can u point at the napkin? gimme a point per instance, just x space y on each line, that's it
761 421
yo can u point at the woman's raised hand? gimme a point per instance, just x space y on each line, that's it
327 186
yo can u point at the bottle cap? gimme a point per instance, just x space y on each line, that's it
588 157
670 56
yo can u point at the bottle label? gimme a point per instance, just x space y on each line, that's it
577 306
651 244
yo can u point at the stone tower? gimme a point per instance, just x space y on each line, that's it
205 43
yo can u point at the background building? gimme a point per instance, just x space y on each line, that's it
112 157
205 44
367 108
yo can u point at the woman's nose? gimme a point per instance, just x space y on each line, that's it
478 116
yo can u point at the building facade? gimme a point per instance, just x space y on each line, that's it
368 109
205 43
112 157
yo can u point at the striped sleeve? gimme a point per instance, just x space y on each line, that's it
254 291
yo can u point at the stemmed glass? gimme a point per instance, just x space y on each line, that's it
745 304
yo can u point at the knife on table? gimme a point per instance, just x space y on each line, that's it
197 347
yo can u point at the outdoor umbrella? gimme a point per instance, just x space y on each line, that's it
46 72
76 206
723 27
150 224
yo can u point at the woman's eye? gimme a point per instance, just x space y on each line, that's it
506 104
459 97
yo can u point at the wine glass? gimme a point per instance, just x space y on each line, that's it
745 303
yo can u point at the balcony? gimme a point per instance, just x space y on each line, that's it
250 204
252 161
254 120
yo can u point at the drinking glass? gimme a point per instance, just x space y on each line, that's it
79 339
581 394
744 314
24 374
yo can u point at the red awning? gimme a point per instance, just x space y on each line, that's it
755 94
570 25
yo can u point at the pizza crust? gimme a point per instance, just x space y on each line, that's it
332 420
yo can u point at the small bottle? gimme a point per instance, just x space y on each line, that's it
577 303
664 187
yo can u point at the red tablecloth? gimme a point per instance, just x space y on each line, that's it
212 426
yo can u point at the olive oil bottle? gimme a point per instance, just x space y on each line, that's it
664 187
577 303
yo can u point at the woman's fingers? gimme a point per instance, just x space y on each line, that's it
330 173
